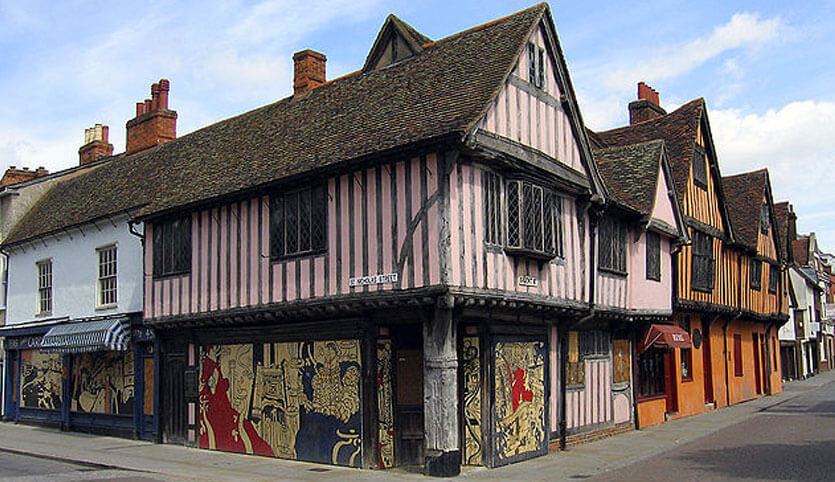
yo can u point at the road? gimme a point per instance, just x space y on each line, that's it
14 466
794 440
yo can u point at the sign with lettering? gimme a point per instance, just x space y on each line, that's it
376 279
677 337
527 280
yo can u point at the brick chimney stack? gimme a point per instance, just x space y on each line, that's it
95 145
154 123
13 175
647 107
309 71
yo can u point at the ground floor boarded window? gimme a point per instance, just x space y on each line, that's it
295 400
651 373
103 382
40 380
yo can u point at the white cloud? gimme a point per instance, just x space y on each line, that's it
797 144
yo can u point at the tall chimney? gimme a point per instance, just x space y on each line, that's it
95 145
154 123
309 70
647 107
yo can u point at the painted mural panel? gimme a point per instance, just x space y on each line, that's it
297 400
103 382
471 354
621 352
40 380
519 400
385 405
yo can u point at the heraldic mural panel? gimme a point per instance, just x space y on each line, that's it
519 400
298 400
102 382
40 380
472 400
385 407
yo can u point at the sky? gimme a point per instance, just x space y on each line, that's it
764 68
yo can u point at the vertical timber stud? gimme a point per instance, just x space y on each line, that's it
371 446
440 392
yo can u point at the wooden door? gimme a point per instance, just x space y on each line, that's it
670 370
173 400
757 370
707 368
409 407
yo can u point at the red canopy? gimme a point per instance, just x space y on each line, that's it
664 336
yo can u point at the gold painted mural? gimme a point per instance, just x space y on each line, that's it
471 354
519 400
576 370
297 400
102 382
40 380
385 407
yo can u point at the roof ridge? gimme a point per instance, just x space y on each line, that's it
485 25
656 119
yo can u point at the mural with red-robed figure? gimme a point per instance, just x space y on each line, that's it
297 400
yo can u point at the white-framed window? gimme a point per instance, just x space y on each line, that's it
44 286
106 292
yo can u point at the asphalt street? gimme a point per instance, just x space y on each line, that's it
794 440
19 467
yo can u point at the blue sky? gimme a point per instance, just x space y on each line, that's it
765 69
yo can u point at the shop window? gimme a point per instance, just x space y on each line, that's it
651 373
44 286
653 256
702 274
738 355
686 365
172 246
534 220
107 276
612 245
298 222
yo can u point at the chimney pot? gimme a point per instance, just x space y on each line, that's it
140 108
95 145
154 96
647 107
154 123
163 93
308 70
148 105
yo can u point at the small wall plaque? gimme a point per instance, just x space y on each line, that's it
376 279
527 280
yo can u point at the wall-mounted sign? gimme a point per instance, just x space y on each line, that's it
527 280
376 279
697 338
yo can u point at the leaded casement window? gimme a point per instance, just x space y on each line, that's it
651 373
172 246
536 66
756 274
44 286
702 262
534 219
594 343
653 256
493 209
700 167
106 295
298 222
765 220
773 277
612 245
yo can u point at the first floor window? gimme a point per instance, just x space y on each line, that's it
492 208
534 219
773 277
702 260
172 246
756 274
738 355
612 245
107 276
45 286
594 343
651 373
298 222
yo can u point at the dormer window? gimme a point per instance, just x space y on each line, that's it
536 66
700 167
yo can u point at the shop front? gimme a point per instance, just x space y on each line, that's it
656 370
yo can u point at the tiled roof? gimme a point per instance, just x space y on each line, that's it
781 213
678 131
631 173
744 197
800 250
441 92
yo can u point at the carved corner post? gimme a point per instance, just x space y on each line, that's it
440 392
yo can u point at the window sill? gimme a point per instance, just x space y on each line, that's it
686 380
651 398
701 290
615 272
107 307
294 256
529 253
179 274
43 314
658 280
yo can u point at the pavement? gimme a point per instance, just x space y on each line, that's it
173 462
